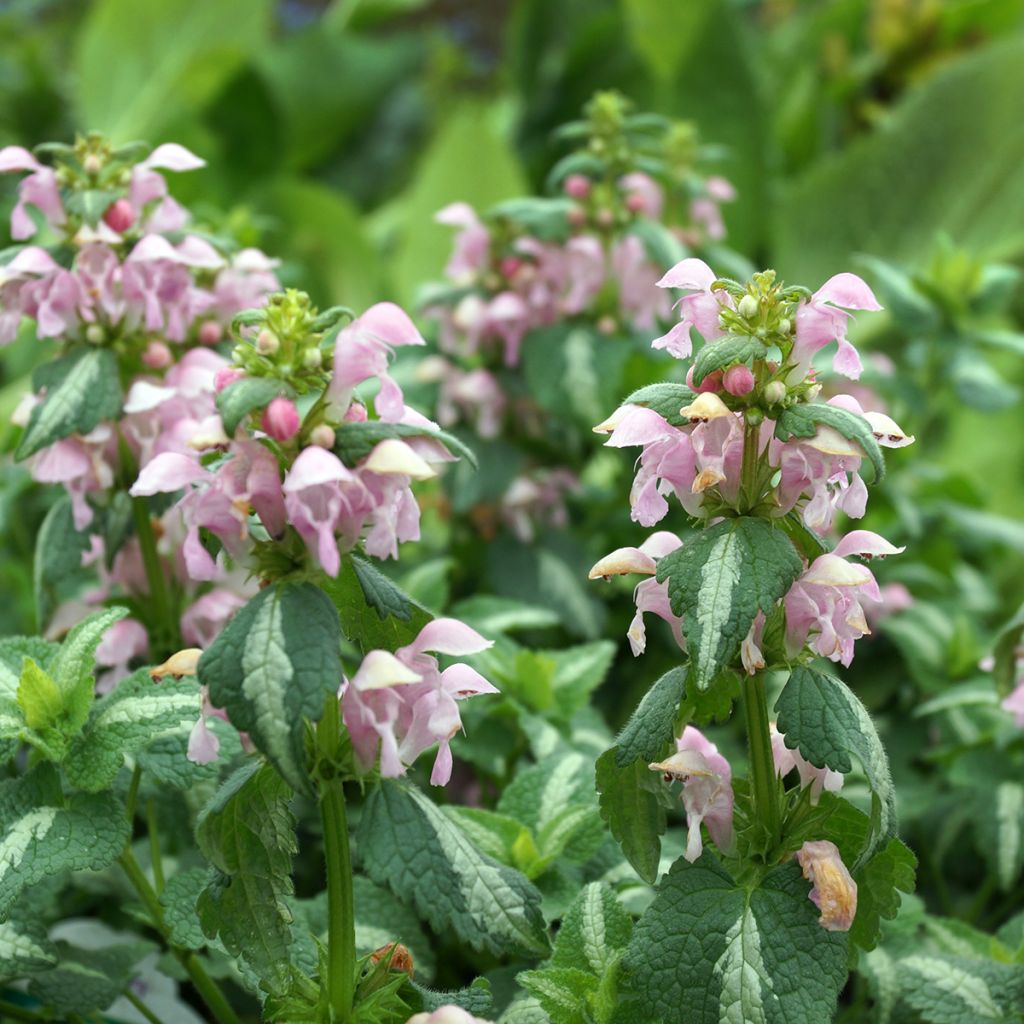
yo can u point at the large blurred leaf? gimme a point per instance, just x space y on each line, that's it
142 66
950 158
470 159
662 33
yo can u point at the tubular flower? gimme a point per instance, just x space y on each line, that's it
699 308
786 760
833 892
823 319
707 789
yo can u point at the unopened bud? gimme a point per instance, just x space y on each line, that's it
281 419
267 343
157 355
397 956
95 335
120 215
577 186
748 307
605 218
510 265
607 324
92 164
322 436
210 332
738 380
754 416
312 358
784 326
774 392
712 382
577 217
635 202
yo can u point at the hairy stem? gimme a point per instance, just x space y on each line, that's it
341 929
764 786
750 485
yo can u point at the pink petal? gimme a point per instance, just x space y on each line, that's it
168 472
16 158
689 273
639 425
391 324
848 291
173 157
866 544
313 467
461 681
449 636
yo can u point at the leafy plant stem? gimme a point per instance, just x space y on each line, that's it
16 1012
167 633
133 795
341 929
204 984
141 1007
749 480
763 785
156 859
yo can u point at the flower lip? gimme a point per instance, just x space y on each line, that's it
690 273
622 561
705 407
182 663
684 764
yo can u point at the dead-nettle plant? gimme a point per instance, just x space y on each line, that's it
756 591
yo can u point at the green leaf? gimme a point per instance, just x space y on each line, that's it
718 355
879 883
381 919
58 555
539 793
593 932
354 441
908 306
82 390
90 204
497 835
720 580
88 833
489 614
999 820
126 721
273 667
38 697
803 421
166 761
562 992
650 731
381 594
24 949
953 989
546 219
665 399
248 833
819 715
245 395
578 671
179 899
13 652
709 950
632 802
408 844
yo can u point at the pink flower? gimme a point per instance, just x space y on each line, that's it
472 242
640 303
699 308
577 186
707 790
121 644
786 760
1014 704
39 189
449 1014
281 419
834 892
820 320
204 619
538 497
82 464
643 194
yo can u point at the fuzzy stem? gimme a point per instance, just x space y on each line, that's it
763 784
749 482
341 929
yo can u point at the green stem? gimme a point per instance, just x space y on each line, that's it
155 857
764 785
204 984
341 928
16 1012
749 476
142 1007
158 593
133 795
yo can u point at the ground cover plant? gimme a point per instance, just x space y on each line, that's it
504 524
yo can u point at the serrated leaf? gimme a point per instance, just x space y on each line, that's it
88 833
82 390
819 715
381 918
594 931
728 351
38 697
802 421
561 991
578 671
166 761
87 980
720 580
381 594
126 721
273 667
880 881
13 652
361 620
24 949
408 844
665 399
58 554
538 794
179 898
952 990
248 833
710 951
632 803
497 835
650 730
244 396
354 441
475 999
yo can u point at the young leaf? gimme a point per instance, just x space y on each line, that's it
58 555
127 720
82 389
709 950
563 992
248 833
39 699
665 399
819 715
272 668
720 580
802 421
354 441
381 594
407 843
245 395
650 731
726 352
879 883
13 652
87 834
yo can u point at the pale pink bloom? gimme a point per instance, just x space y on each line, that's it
895 598
83 465
834 892
1014 704
699 308
39 189
125 641
204 619
449 1014
787 760
643 194
474 395
641 304
538 498
508 316
244 284
203 745
584 271
820 320
472 242
707 790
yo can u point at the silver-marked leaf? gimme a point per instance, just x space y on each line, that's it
248 833
665 399
954 989
127 720
24 949
272 669
719 355
999 820
88 833
802 421
710 951
13 652
407 843
563 992
537 795
82 389
822 717
594 932
165 759
720 580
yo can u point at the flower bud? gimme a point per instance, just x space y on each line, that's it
738 380
834 891
226 375
157 355
577 186
210 332
267 343
281 419
754 416
784 326
607 324
95 335
748 307
774 392
355 413
398 957
510 266
712 382
635 202
577 217
605 218
322 436
312 358
119 216
92 164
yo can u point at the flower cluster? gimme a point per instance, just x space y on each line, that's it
753 379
